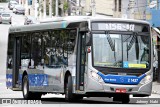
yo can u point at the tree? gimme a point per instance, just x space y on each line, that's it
3 0
65 6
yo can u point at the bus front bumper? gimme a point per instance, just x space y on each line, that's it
135 90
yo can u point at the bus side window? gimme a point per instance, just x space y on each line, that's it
59 40
36 49
72 41
46 48
64 50
25 51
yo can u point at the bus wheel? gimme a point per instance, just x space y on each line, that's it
36 95
68 89
25 87
125 99
78 98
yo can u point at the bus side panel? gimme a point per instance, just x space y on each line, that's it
55 82
9 77
46 80
37 79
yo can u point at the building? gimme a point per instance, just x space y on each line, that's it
68 7
46 8
153 12
134 9
29 6
99 7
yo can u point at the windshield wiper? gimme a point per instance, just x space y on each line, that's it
131 43
112 45
134 40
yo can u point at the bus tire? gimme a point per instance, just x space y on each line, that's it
77 98
25 88
125 99
68 90
36 95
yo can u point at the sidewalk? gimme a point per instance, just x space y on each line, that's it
156 88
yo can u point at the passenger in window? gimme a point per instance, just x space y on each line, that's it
10 62
46 57
36 53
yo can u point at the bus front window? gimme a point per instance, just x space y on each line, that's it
121 50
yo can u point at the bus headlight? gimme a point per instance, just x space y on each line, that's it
146 79
96 76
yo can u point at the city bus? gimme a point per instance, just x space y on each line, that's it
81 57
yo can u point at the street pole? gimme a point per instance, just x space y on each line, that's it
131 9
40 9
23 2
82 5
35 11
157 5
26 7
44 9
77 7
93 7
56 8
50 8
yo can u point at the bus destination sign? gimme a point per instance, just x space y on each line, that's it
115 26
120 26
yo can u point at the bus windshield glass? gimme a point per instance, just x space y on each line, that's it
120 50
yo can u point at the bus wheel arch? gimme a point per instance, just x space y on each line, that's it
25 87
66 77
24 74
68 86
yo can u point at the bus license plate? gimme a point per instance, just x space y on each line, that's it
120 90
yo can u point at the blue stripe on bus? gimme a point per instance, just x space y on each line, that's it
9 80
119 79
34 80
64 24
38 80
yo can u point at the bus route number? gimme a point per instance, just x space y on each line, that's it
120 26
132 80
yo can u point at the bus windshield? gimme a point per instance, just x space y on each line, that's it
121 50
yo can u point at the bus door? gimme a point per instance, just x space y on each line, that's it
16 62
80 62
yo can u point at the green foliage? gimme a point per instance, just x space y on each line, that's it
65 6
3 0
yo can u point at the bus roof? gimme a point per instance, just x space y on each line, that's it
81 18
63 22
